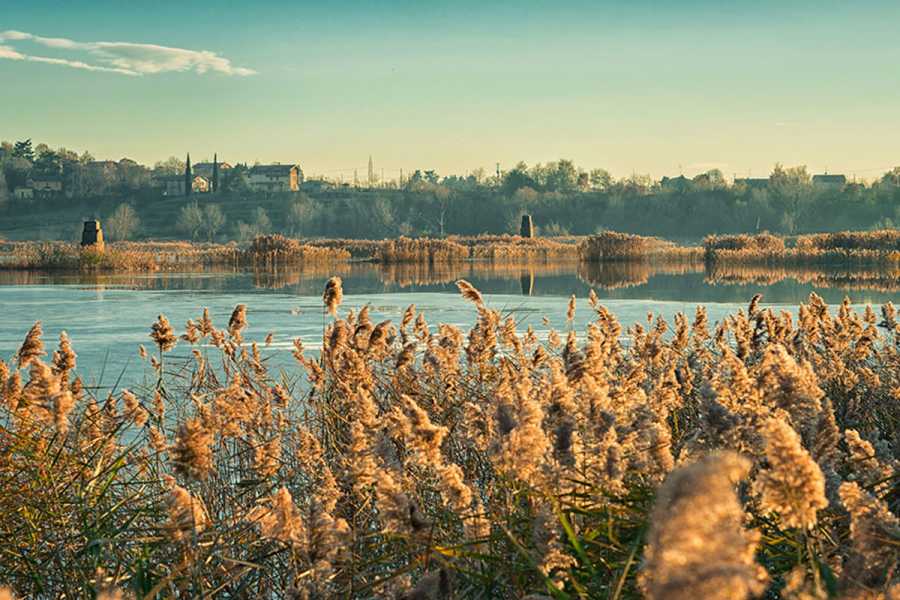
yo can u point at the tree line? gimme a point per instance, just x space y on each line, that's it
562 198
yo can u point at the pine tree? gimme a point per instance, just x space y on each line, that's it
188 177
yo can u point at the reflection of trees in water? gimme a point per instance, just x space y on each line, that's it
415 274
280 277
883 279
630 273
548 277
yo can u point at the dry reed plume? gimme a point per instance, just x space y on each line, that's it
414 460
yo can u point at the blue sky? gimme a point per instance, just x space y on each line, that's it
651 87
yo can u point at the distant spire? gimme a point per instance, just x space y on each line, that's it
215 173
188 178
371 172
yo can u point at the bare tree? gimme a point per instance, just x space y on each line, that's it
123 223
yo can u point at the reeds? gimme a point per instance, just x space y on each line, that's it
613 245
680 460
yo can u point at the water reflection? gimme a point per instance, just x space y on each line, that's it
692 282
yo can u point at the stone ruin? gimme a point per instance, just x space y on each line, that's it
527 229
92 236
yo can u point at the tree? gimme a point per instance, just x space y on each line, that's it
299 215
123 223
600 179
213 220
517 178
892 177
188 177
215 173
171 166
4 191
24 150
711 180
190 220
235 179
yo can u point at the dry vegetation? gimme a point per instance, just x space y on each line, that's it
846 247
270 250
421 461
612 245
420 250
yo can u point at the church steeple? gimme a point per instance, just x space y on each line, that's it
188 177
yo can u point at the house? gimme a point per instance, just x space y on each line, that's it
829 181
173 185
754 183
205 169
275 178
23 193
47 186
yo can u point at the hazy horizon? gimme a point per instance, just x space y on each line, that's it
453 87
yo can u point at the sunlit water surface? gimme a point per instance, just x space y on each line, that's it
109 316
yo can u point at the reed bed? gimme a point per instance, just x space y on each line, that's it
613 245
841 248
515 248
755 456
278 250
153 256
420 250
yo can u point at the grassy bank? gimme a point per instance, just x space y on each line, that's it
411 460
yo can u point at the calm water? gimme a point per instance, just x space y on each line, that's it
109 316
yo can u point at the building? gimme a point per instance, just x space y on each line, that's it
205 169
47 186
173 185
23 193
275 178
754 183
829 181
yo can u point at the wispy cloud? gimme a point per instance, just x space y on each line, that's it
124 58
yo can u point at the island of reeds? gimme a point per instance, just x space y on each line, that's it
757 457
860 249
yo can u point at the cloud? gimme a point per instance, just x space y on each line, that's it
124 58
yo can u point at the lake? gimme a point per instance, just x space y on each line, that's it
109 316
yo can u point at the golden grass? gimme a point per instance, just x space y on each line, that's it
152 256
758 455
613 245
841 248
421 250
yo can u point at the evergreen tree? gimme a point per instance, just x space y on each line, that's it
188 177
215 173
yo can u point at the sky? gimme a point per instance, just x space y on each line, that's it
633 87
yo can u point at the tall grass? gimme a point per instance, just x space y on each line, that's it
613 245
688 460
842 248
421 250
